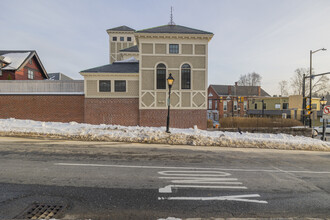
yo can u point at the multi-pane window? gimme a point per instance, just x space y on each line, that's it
210 104
225 105
30 61
30 74
161 76
286 105
114 38
121 38
264 106
120 85
185 76
235 105
129 39
245 105
104 85
216 105
174 48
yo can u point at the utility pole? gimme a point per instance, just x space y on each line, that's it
310 87
304 100
310 82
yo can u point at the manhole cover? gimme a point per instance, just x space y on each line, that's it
41 211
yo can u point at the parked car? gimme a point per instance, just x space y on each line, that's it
319 130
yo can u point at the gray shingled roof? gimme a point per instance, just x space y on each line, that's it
127 67
240 90
121 28
58 76
131 49
173 29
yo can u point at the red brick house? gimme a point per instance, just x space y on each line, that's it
231 100
21 65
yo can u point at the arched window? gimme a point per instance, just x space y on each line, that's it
185 76
161 76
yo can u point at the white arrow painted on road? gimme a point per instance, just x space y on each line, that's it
168 188
201 180
239 198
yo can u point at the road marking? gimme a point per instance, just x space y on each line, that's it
168 188
193 173
202 177
201 180
192 168
239 198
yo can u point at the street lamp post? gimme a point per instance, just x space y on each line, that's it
170 81
323 102
310 82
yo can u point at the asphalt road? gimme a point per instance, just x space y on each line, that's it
100 180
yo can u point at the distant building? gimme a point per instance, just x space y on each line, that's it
21 65
231 100
284 107
58 76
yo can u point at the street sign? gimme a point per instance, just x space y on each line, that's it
326 112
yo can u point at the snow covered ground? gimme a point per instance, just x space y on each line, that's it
77 131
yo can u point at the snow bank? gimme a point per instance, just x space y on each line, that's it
77 131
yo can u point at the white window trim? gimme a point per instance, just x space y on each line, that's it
235 105
210 104
30 74
245 105
225 107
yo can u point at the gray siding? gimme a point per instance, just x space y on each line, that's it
41 86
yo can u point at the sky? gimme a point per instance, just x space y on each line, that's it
270 37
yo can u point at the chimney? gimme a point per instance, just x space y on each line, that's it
259 91
235 83
229 90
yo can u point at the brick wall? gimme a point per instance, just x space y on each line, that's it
66 108
178 118
60 108
112 111
6 73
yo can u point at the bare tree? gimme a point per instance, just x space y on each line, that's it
297 81
320 84
250 79
283 86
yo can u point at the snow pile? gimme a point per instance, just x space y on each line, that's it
191 136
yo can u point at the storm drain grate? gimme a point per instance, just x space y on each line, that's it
41 211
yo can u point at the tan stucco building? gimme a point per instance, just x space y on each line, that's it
132 89
290 107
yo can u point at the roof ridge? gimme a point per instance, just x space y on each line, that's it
154 27
175 29
121 27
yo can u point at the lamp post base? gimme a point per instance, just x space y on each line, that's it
168 121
